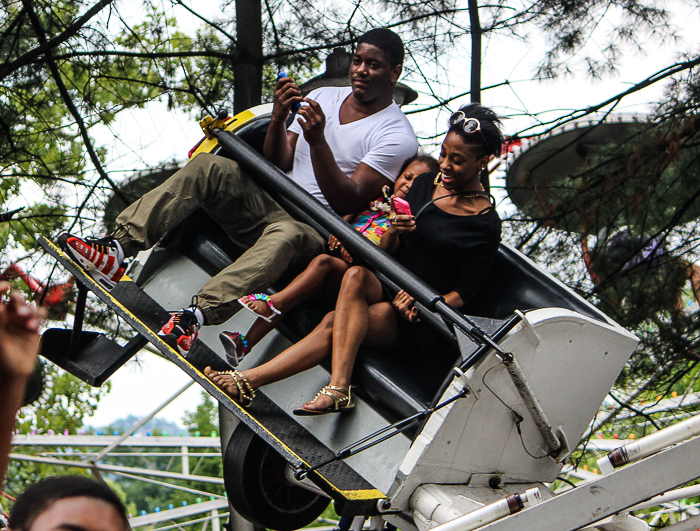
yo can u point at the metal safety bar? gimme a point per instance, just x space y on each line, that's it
290 193
359 247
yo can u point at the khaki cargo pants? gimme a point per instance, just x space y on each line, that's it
250 217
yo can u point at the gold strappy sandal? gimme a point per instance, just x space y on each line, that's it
339 404
246 393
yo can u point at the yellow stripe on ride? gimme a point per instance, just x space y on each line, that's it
365 494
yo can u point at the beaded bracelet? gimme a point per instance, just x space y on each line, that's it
244 341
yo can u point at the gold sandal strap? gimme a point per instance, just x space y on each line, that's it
339 389
337 402
246 393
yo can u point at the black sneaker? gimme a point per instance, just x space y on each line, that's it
181 331
101 258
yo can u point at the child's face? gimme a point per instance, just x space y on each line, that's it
413 170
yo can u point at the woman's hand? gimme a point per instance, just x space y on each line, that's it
19 335
404 304
397 225
400 222
335 245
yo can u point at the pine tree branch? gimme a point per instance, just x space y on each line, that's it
144 55
212 24
580 113
65 96
346 42
49 44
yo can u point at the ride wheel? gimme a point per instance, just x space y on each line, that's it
257 488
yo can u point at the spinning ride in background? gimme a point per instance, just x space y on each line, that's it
633 225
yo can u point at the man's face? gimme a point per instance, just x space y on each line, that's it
371 76
79 514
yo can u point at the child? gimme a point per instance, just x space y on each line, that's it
371 223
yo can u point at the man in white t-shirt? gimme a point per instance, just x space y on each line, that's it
345 145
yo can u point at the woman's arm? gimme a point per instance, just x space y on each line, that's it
404 304
453 299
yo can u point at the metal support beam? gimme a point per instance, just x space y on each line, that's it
140 423
185 460
171 486
105 440
78 316
180 512
691 524
116 468
593 501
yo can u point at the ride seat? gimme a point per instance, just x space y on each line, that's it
396 387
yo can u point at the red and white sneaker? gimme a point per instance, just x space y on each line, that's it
181 331
102 259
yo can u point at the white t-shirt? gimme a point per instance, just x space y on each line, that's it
383 141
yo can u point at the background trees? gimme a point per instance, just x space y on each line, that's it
70 70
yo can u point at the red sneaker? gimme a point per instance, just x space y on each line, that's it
181 331
102 259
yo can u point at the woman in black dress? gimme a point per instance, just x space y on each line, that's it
449 242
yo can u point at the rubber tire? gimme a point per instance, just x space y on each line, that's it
257 488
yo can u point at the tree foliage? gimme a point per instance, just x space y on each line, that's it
633 213
67 67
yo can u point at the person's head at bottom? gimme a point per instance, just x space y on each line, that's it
68 503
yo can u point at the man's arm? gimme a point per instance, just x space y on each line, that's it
344 194
280 144
19 341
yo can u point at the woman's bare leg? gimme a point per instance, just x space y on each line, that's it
301 356
322 269
356 321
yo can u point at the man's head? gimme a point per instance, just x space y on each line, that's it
376 66
387 41
68 503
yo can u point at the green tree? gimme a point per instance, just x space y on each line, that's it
62 407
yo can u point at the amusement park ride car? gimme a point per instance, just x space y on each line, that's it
459 442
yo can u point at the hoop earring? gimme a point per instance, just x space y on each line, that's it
438 178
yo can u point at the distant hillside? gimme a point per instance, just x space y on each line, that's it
156 426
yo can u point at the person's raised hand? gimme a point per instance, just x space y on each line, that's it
404 304
19 334
312 121
286 94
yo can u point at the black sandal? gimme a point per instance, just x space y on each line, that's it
339 404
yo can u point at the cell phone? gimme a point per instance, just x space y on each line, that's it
297 105
401 206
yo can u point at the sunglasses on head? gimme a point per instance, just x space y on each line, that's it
469 125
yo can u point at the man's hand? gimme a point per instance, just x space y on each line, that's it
286 94
312 121
19 335
404 304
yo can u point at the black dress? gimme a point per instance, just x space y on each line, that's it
447 251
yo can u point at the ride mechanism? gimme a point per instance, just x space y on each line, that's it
452 442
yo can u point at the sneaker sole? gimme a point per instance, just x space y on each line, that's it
83 262
230 346
171 340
